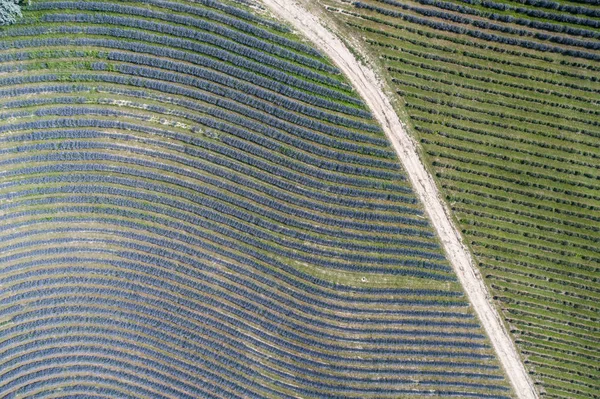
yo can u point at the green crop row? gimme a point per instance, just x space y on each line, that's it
511 135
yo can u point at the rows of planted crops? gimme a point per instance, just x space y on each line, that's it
503 96
195 204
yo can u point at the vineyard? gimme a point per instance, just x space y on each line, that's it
503 98
195 203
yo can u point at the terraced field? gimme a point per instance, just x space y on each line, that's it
195 204
503 97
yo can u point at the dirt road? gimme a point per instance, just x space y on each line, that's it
370 88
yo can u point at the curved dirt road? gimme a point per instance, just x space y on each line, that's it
370 89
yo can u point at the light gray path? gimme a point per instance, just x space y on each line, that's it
371 90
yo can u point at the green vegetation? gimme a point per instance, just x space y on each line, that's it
10 10
503 98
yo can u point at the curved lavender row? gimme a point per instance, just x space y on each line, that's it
245 391
198 48
295 202
188 255
172 333
190 34
231 70
305 292
219 36
135 383
251 29
200 207
126 350
76 153
271 334
202 30
410 267
236 148
238 91
277 81
309 280
206 149
84 391
76 334
286 120
305 305
315 199
124 357
248 231
199 81
148 312
265 135
239 138
294 222
136 267
215 53
394 318
215 338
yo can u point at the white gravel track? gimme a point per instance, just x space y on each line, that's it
371 90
